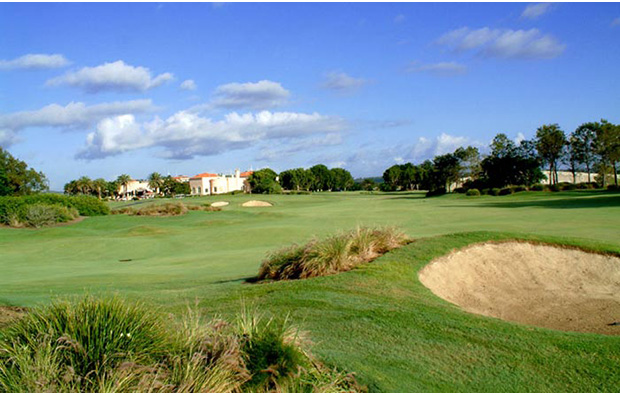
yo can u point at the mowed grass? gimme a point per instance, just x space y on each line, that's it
377 320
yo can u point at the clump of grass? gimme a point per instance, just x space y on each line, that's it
204 207
331 255
161 210
109 345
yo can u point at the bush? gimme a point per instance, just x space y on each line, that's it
518 188
569 187
555 188
161 210
334 254
459 190
613 187
472 192
108 345
436 192
494 191
38 215
539 187
505 191
485 191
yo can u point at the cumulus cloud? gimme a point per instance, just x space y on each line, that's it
115 76
441 68
342 82
534 11
503 43
35 62
186 134
188 85
73 115
250 95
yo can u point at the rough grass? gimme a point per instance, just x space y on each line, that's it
109 345
334 254
165 209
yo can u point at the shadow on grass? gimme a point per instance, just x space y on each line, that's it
561 203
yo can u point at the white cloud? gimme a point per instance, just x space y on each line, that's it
34 62
7 138
285 149
188 85
342 82
400 18
441 68
73 115
616 22
534 11
186 134
115 76
504 43
250 95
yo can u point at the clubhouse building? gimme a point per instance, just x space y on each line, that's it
215 184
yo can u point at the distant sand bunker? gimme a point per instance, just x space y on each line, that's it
219 204
545 286
256 203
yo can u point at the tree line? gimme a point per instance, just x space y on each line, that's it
314 179
592 147
164 186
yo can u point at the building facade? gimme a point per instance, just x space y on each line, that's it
215 184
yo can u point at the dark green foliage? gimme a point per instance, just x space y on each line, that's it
519 188
459 190
436 192
555 188
539 187
505 191
472 192
550 142
14 209
322 179
613 187
264 181
494 191
17 179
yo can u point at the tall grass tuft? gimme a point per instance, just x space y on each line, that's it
331 255
108 345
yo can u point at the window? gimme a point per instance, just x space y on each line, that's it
214 189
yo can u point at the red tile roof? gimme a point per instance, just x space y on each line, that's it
201 175
246 174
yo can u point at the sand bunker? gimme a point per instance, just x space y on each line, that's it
256 203
219 204
539 285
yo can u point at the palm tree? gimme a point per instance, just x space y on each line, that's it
84 185
100 185
71 188
156 181
124 180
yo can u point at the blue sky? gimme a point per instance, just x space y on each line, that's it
106 89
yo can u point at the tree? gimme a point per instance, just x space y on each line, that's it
368 184
341 179
608 146
571 156
156 181
123 180
322 177
17 178
550 141
584 145
84 185
100 187
446 170
293 179
509 164
469 161
264 181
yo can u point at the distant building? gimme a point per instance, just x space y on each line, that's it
215 184
181 178
135 188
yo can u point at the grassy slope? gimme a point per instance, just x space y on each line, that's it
378 321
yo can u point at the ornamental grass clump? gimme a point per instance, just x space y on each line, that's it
334 254
161 210
109 345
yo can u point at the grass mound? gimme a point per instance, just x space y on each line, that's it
108 345
332 255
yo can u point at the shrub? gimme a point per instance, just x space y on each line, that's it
459 190
539 187
204 207
518 188
494 191
613 187
485 191
505 191
334 254
161 210
569 187
473 192
436 192
555 188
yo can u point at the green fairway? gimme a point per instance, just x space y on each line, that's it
378 321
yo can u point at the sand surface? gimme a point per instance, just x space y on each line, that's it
256 203
219 204
552 287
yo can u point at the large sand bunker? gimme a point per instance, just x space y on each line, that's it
552 287
256 203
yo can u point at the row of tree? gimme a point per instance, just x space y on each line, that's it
316 178
166 186
593 146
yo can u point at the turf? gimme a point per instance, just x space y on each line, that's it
378 321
